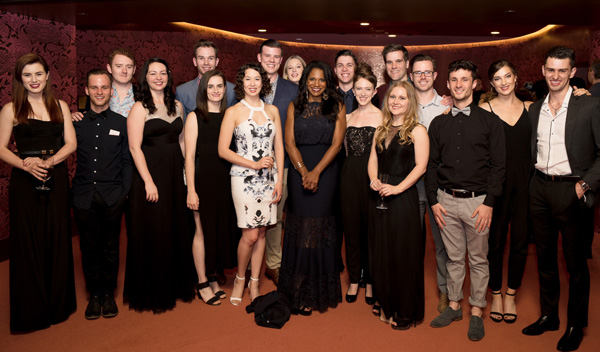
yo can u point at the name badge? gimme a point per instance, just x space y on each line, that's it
114 133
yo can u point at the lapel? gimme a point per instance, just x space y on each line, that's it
534 116
278 91
572 114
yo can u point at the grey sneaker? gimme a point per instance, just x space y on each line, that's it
448 316
476 331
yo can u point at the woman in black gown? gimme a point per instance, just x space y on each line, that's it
214 245
512 207
159 260
355 192
399 154
314 131
42 289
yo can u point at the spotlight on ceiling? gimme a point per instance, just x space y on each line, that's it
495 33
262 30
364 23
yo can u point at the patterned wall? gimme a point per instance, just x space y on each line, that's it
55 41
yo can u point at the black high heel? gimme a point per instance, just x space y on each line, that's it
351 298
512 317
494 315
376 310
220 294
213 301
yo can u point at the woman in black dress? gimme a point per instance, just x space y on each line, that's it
399 154
355 192
314 131
159 267
209 187
42 289
512 207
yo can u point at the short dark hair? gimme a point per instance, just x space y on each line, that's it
121 51
97 72
271 43
595 66
394 47
203 43
345 52
239 80
422 57
463 65
561 52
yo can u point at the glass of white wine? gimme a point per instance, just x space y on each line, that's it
49 171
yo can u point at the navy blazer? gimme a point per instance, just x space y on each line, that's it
582 137
186 94
286 92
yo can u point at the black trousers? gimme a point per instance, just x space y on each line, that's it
99 229
554 207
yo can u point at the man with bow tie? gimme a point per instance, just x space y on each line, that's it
100 187
464 176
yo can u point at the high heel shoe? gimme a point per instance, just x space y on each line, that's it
237 300
213 301
376 310
496 317
352 298
512 318
220 294
250 290
369 300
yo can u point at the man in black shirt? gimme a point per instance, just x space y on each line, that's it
465 172
100 187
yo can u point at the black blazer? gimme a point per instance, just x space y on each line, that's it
582 137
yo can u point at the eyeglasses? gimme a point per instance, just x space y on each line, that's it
426 73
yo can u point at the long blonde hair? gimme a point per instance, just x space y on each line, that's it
411 117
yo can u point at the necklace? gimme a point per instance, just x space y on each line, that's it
400 125
555 109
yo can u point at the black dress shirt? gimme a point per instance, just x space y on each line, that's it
104 163
468 153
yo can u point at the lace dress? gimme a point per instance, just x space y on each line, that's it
309 275
355 194
251 189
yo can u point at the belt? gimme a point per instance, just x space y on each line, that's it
556 178
462 194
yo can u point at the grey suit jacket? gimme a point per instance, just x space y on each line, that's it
582 137
186 94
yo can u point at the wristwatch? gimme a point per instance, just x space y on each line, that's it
584 185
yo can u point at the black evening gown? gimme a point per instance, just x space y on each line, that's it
160 268
355 194
396 243
309 275
42 286
213 186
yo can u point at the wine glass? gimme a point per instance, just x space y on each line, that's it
384 179
49 170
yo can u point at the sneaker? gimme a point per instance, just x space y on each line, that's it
109 307
476 331
94 308
448 316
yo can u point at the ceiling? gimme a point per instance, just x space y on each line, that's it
325 21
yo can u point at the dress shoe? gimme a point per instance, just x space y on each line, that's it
109 307
273 274
94 308
476 331
444 301
543 324
571 339
448 316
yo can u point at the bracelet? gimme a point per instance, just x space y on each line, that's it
371 184
298 165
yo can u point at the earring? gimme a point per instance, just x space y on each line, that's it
325 95
306 93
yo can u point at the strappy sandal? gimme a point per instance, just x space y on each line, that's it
249 290
496 317
237 300
376 310
220 294
512 316
213 301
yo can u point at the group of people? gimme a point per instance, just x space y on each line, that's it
186 167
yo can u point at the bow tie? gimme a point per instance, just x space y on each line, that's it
93 115
466 111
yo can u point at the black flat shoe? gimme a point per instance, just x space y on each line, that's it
571 340
543 324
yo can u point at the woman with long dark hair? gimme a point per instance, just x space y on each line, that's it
256 171
314 132
159 260
208 186
399 155
42 289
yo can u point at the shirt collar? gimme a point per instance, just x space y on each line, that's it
565 102
437 100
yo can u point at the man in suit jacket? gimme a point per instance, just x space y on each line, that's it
566 153
270 56
205 59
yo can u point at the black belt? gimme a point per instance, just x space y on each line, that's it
556 178
462 194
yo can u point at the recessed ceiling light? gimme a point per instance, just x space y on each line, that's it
364 23
510 11
495 32
299 39
262 30
392 35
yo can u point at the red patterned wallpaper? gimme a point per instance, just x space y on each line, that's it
56 43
